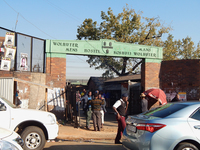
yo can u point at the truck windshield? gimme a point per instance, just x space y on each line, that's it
8 102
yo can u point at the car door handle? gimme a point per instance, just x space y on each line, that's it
197 127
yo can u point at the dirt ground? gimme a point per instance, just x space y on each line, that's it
69 132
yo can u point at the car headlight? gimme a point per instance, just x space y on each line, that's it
4 145
51 119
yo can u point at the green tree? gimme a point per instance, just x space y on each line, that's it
171 48
128 27
180 49
187 49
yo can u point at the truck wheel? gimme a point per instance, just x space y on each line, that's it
34 138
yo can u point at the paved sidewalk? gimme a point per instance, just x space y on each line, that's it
109 131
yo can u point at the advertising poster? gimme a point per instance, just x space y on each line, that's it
5 64
10 52
24 62
182 96
9 38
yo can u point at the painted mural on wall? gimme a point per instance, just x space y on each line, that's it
182 96
170 96
186 94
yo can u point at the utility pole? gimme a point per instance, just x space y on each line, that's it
16 22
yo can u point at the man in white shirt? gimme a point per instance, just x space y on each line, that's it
120 107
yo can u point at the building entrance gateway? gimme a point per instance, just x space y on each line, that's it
103 48
56 51
46 63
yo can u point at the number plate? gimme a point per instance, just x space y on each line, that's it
132 128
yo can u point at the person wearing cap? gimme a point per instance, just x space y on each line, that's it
144 102
120 107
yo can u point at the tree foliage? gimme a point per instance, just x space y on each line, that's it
131 27
180 49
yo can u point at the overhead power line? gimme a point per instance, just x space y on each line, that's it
65 12
29 21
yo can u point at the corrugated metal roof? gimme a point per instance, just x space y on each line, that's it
7 88
125 78
27 82
97 80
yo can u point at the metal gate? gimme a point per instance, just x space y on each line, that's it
72 108
134 100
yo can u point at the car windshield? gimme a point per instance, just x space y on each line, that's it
165 110
8 102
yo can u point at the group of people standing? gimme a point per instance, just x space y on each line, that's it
93 106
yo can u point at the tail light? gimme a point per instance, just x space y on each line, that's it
151 127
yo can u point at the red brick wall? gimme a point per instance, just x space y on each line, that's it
6 74
150 75
56 72
181 76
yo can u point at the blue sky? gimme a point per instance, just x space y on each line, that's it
50 19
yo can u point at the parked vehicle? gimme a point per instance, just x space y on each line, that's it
174 126
34 126
10 140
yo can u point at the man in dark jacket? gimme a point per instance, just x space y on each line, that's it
96 115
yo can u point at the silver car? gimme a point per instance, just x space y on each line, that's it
174 126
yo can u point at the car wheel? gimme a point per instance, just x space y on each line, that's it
186 146
34 138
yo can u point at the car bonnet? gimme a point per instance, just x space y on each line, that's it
4 133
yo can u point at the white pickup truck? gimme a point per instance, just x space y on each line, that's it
34 126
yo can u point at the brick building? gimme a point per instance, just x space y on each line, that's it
46 65
181 76
41 79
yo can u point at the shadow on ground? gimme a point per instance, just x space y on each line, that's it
84 146
109 120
